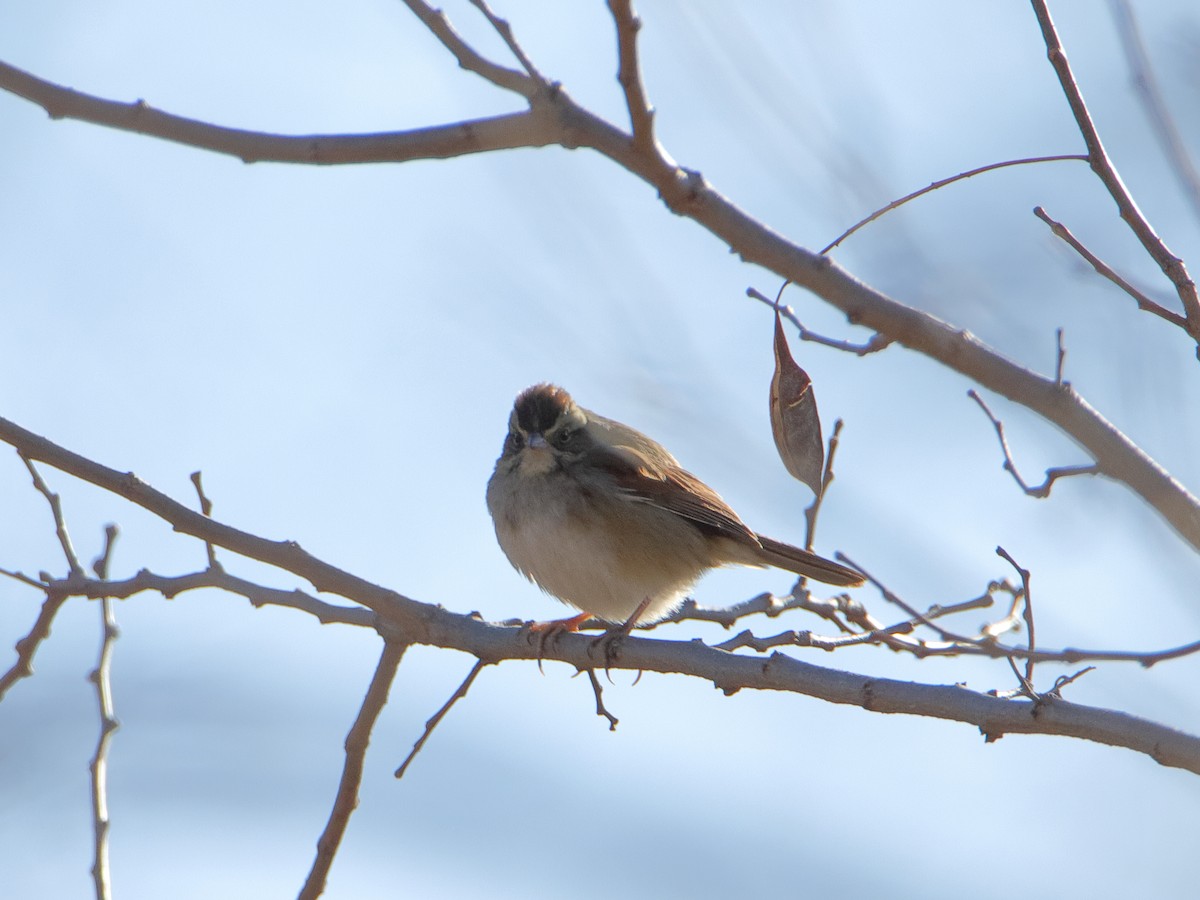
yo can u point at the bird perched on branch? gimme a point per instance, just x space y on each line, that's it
606 520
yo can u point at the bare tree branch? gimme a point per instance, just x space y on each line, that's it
23 578
101 677
1027 614
423 623
433 723
356 750
1144 303
506 34
1041 491
937 185
814 509
206 508
60 524
601 709
259 595
629 75
27 646
505 132
873 635
1060 357
553 117
510 80
874 343
1172 266
831 609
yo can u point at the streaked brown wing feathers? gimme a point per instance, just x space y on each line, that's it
672 489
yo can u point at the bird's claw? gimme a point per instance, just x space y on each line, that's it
607 644
548 632
611 639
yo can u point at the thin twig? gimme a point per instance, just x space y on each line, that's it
983 601
504 29
1063 680
1026 687
629 75
1172 266
915 615
1144 303
206 509
808 639
171 586
466 55
433 723
874 344
1010 621
356 750
766 603
950 643
963 647
601 709
101 563
206 506
1156 108
1060 357
101 677
1027 613
1042 490
60 525
23 578
814 508
27 646
941 184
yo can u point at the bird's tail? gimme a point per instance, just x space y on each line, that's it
805 562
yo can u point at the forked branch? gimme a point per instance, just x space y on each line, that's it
1172 266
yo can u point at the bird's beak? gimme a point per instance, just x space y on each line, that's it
537 457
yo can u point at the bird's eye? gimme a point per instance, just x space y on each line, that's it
515 440
563 438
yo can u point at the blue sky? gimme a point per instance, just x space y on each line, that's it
337 349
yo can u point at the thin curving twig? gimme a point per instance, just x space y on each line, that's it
1027 614
1041 491
941 184
874 343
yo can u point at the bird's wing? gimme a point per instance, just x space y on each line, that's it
673 489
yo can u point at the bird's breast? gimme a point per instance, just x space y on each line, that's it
593 549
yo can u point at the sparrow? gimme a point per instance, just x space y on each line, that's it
606 520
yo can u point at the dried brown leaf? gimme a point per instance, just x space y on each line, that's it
794 418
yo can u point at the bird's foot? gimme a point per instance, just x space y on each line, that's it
608 642
548 632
